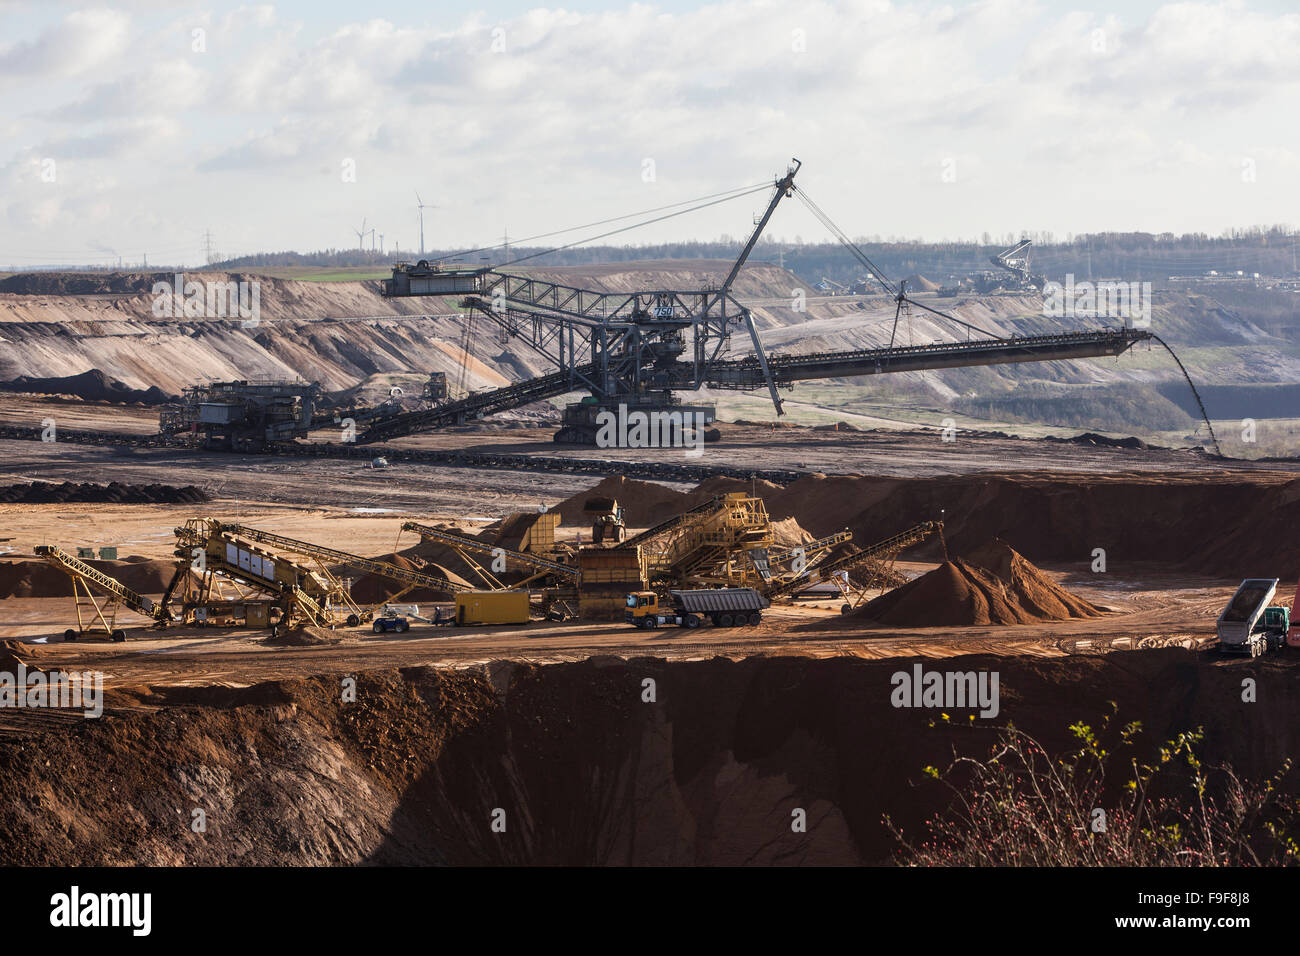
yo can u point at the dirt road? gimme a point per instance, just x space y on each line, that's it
257 481
1158 610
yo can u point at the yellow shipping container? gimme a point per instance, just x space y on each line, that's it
491 607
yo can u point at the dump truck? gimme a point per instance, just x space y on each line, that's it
723 607
607 522
1240 626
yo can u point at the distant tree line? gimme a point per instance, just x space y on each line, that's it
1270 251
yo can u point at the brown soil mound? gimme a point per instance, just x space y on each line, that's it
44 493
787 533
1063 517
25 651
30 577
302 637
375 588
919 283
1100 441
643 502
991 585
91 386
706 489
13 653
443 557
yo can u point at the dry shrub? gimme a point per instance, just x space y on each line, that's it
1021 806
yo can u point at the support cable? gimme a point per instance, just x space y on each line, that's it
728 194
1195 394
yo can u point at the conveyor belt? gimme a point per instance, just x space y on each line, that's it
669 524
76 568
483 547
476 406
382 568
822 572
787 369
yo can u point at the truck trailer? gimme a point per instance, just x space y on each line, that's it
1241 627
723 607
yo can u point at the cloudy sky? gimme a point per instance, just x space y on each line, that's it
134 129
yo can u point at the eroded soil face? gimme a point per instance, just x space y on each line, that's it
582 763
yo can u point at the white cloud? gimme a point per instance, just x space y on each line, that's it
81 41
165 86
545 119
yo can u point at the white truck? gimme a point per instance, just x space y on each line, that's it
1238 625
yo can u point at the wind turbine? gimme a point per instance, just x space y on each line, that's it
361 236
421 206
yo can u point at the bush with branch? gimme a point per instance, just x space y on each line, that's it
1092 806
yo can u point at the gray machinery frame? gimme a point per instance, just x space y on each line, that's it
626 347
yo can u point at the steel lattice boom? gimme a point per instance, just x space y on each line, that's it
635 351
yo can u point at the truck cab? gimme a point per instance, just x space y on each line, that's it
641 605
1275 623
